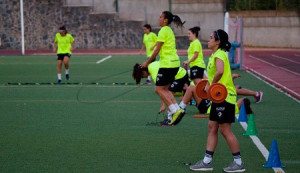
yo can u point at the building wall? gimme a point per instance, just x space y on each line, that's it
270 28
42 19
209 15
95 28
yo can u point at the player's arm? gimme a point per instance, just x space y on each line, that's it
235 76
192 59
72 45
143 47
153 56
220 70
54 47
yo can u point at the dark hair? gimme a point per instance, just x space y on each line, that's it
63 28
173 18
223 37
137 73
148 26
195 30
247 106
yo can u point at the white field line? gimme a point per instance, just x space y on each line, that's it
106 58
276 56
274 65
264 151
276 84
297 55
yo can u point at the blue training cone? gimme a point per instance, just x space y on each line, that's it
273 159
242 114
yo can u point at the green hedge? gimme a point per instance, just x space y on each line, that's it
241 5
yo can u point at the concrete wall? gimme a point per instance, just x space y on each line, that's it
98 6
42 19
270 28
79 2
142 10
209 15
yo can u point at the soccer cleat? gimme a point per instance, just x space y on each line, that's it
148 82
176 118
201 166
165 122
59 82
67 77
234 167
259 97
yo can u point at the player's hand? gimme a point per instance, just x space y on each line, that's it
140 52
54 49
235 76
144 65
162 109
185 63
206 87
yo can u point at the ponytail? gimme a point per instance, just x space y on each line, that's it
223 37
148 27
173 18
195 30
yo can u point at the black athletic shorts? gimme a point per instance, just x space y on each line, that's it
62 56
203 106
196 72
222 112
166 76
177 85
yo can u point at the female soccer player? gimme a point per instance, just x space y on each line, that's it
181 81
195 56
63 45
149 41
222 115
169 63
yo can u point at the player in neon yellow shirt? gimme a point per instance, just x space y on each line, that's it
149 42
195 56
63 46
169 63
181 81
222 115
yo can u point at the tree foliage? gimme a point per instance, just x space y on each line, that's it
241 5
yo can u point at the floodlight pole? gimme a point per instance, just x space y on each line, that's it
226 22
22 27
226 25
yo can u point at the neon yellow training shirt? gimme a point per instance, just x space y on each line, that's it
154 67
168 52
64 43
149 41
226 78
195 46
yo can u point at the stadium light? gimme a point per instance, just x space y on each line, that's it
22 27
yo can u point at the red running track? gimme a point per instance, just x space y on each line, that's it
278 67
